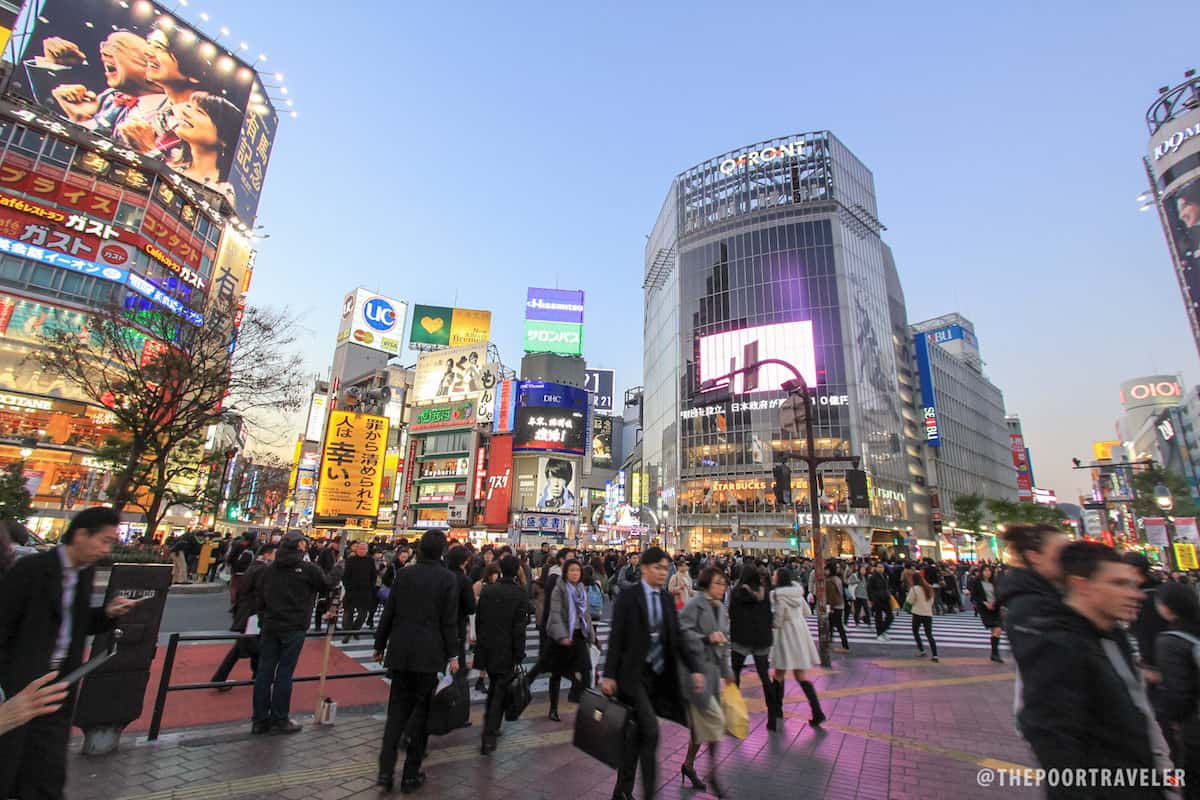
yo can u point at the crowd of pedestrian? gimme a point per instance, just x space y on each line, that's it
1105 646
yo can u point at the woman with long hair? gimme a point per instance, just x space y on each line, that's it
209 127
704 624
491 574
750 631
920 602
856 587
983 595
793 649
569 635
1178 694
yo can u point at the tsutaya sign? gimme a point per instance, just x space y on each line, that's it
731 165
830 518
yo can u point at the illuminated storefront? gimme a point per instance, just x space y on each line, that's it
770 251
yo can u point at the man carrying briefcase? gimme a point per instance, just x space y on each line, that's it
642 669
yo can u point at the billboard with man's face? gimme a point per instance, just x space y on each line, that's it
143 78
556 487
454 374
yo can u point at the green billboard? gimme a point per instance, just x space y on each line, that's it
564 338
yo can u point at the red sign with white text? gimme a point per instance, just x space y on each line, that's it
1021 464
497 490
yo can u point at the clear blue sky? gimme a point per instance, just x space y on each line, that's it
457 155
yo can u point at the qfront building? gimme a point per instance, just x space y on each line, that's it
773 251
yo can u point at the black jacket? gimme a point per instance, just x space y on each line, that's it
1148 624
500 622
30 616
245 600
1178 696
1026 597
359 579
629 645
286 591
1078 709
878 590
419 626
466 603
751 623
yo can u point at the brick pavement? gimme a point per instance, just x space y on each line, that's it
898 729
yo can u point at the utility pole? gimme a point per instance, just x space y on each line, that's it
799 394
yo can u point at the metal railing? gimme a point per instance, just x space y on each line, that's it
165 686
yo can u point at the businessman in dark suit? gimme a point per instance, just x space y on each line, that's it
419 633
45 619
645 654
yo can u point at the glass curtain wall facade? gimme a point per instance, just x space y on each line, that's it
784 231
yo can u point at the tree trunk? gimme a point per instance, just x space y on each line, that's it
121 494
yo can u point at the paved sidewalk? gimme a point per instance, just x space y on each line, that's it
899 728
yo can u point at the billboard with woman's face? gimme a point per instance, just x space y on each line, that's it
1183 217
143 78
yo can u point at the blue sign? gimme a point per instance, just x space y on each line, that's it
554 305
119 276
379 314
542 394
952 333
930 422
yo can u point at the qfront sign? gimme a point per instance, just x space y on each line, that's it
767 154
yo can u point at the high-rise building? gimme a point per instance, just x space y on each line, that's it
98 213
770 251
1173 169
968 446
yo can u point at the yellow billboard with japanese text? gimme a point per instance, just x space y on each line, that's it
352 465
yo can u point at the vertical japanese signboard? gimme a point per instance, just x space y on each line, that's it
352 465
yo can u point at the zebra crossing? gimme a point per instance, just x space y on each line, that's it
962 630
949 630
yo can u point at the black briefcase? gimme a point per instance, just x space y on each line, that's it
601 726
516 696
450 708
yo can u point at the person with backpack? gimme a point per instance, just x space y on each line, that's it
1177 699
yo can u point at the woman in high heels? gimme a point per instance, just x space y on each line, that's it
793 650
704 629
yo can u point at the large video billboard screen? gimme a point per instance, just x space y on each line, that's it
136 74
558 430
1183 217
722 353
455 374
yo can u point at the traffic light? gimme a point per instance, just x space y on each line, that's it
856 482
783 484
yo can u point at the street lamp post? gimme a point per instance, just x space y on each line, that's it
1166 501
798 388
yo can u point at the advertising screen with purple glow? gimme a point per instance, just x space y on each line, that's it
721 353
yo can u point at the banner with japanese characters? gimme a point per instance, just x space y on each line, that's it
352 465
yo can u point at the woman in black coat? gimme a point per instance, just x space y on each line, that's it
500 621
751 633
1177 699
983 595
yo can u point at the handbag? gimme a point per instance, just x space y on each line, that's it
737 717
450 708
601 725
895 602
516 696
